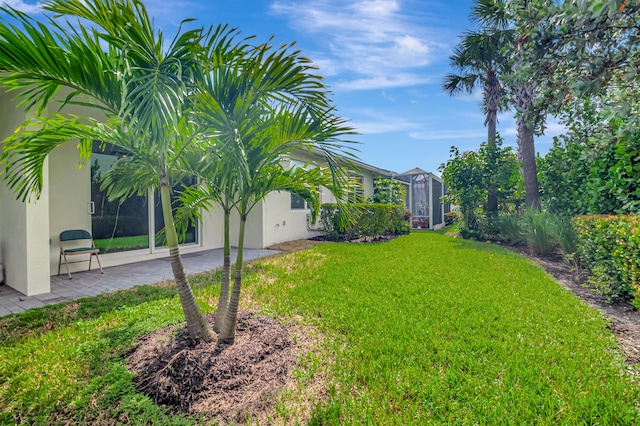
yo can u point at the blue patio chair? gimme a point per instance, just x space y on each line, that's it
77 235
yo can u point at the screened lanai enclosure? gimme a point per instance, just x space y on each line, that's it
424 193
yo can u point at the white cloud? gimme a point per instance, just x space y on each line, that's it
388 97
434 135
23 6
376 7
374 42
381 81
554 129
375 122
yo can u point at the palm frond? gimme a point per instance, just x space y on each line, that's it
26 150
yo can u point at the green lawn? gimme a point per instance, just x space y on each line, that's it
422 329
111 245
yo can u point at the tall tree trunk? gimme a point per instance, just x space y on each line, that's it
524 103
196 323
527 153
228 333
492 196
491 93
223 301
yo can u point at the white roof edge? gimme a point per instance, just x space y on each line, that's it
362 165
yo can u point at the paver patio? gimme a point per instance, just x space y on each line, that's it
92 283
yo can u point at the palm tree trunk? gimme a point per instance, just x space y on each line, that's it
196 323
492 196
491 94
529 168
228 333
223 301
525 105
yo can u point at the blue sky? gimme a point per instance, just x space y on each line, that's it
384 61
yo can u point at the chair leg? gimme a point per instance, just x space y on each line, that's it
90 257
99 264
59 263
66 264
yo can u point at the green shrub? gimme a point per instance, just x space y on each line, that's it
510 228
451 218
371 220
537 226
541 230
470 234
389 191
609 247
565 235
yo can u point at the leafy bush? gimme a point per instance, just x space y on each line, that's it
594 168
470 175
506 227
451 218
538 226
609 246
371 220
389 191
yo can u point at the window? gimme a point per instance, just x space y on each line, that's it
191 235
357 192
298 203
116 226
132 224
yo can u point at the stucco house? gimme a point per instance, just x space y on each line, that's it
71 199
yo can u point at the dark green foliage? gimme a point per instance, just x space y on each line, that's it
609 247
451 218
389 191
563 175
469 175
369 221
601 176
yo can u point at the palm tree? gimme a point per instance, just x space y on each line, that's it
128 72
495 15
261 107
480 62
215 187
261 172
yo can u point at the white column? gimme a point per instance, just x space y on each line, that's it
25 240
430 180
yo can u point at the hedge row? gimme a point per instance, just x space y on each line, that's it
371 220
609 247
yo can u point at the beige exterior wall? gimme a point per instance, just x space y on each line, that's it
69 194
24 227
29 232
254 229
281 223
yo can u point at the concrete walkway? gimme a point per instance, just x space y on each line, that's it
92 283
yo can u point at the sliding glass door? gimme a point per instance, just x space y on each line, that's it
125 226
116 226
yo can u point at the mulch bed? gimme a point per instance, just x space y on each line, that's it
225 383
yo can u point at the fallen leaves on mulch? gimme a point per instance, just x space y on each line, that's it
229 384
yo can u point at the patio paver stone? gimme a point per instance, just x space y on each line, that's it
92 283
